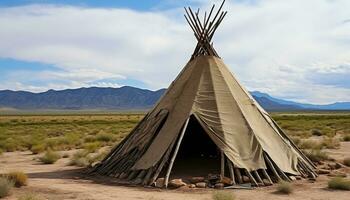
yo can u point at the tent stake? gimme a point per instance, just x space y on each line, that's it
175 153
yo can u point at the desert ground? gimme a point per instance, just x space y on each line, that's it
61 180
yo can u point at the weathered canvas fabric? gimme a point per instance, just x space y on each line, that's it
228 113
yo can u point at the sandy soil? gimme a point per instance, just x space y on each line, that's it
60 181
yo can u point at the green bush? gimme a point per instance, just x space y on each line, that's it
29 196
339 183
105 137
223 195
10 145
90 138
317 155
347 161
38 148
5 187
346 138
50 157
91 147
284 187
18 178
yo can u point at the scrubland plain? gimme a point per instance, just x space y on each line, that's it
53 148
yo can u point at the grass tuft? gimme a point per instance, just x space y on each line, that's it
38 148
339 183
317 155
5 187
284 187
29 196
50 157
18 178
223 195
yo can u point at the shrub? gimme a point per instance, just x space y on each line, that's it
50 157
38 148
347 161
29 196
317 155
90 138
316 132
346 138
92 147
339 183
223 195
104 137
309 144
1 152
18 178
10 145
5 187
330 143
80 159
284 187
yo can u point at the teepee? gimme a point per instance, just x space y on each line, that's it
206 123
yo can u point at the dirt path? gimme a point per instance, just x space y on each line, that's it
59 181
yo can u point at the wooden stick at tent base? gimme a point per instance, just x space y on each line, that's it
232 174
222 171
175 152
239 176
256 174
267 176
272 168
252 179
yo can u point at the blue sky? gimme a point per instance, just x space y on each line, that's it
297 50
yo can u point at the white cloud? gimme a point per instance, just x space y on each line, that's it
272 46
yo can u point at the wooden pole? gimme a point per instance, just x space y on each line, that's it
222 171
230 167
175 152
239 176
269 163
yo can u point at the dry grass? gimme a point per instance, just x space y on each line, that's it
30 196
223 195
85 158
5 187
50 157
18 178
339 184
284 187
317 155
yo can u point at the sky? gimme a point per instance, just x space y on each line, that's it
297 50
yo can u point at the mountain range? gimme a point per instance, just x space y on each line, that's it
127 98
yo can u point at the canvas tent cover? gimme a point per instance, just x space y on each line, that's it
227 112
